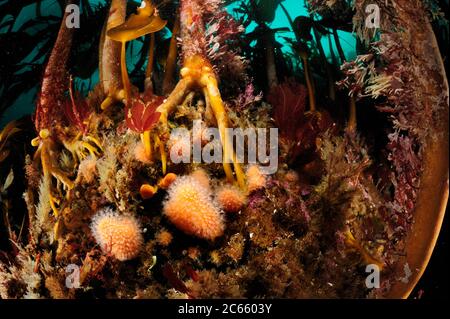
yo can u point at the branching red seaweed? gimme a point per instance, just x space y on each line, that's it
141 116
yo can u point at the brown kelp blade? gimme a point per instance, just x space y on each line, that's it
135 27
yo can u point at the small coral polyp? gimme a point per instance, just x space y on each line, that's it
117 235
201 177
190 207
